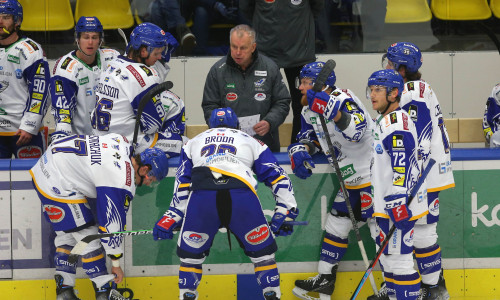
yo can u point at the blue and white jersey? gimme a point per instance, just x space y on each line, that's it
232 153
421 103
72 90
78 167
24 87
396 163
491 119
351 145
119 91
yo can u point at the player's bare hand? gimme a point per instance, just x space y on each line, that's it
118 274
262 128
24 137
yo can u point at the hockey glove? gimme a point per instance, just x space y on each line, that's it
398 211
172 45
322 103
164 228
302 162
281 214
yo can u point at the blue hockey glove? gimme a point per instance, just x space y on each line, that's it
398 211
301 161
172 45
322 103
281 214
164 228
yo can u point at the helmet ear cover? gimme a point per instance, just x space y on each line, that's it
157 160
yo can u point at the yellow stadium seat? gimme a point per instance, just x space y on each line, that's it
461 10
113 14
46 15
495 7
407 11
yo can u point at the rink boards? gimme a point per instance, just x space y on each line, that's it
468 235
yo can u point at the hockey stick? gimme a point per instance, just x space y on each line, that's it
82 244
318 85
124 37
414 191
167 85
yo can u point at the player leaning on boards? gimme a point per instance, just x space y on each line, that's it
102 169
75 77
395 170
24 81
491 119
215 187
349 125
123 84
420 101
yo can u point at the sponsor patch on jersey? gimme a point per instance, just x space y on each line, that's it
296 2
399 180
37 96
410 86
117 164
405 122
55 66
258 235
40 70
2 112
59 87
230 86
408 238
106 79
336 93
19 73
231 96
397 142
55 213
35 106
194 239
347 171
393 117
13 58
66 119
126 204
29 152
146 70
128 169
269 1
65 63
400 170
88 92
358 118
83 80
350 106
260 73
434 207
413 112
137 76
64 112
260 96
33 45
72 66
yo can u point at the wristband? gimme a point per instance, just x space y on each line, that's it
115 263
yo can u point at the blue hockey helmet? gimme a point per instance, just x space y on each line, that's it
14 8
158 161
388 78
403 54
88 24
223 117
149 35
312 70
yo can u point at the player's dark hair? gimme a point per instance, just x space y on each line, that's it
411 76
135 54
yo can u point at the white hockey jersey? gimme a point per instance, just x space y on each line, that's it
119 91
491 119
78 167
235 154
72 89
24 84
352 145
396 163
421 103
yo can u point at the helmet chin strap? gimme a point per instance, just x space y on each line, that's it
387 106
142 178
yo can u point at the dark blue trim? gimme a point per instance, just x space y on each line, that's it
459 154
248 288
22 185
5 185
23 164
5 164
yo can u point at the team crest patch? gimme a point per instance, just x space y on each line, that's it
55 213
194 239
231 96
258 235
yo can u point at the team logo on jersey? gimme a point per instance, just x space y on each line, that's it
84 80
434 207
146 70
55 213
59 87
259 83
397 142
194 239
65 63
258 235
260 96
231 96
14 59
35 106
137 76
29 152
114 223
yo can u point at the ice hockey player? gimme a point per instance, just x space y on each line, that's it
75 170
349 125
216 175
75 77
421 103
395 170
491 120
24 82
